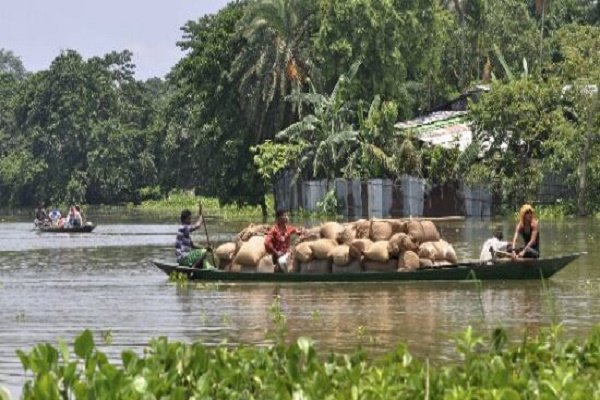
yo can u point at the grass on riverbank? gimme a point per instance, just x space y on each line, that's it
545 366
210 206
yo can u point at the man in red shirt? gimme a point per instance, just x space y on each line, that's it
278 240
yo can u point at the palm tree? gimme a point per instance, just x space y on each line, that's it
326 135
273 62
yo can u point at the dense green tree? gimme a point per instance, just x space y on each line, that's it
11 64
273 62
207 138
511 124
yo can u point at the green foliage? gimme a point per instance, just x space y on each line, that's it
512 122
543 366
272 158
329 205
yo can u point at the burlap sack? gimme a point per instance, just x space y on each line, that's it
425 263
363 228
309 235
445 252
316 267
303 252
422 231
226 251
321 248
429 251
347 235
253 230
407 261
331 230
390 265
380 230
399 243
251 251
358 247
378 252
398 226
242 268
266 264
341 255
354 267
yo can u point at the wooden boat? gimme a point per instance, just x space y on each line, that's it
71 229
499 270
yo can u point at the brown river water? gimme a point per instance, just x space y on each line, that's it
55 285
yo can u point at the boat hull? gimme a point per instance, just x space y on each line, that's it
75 229
504 270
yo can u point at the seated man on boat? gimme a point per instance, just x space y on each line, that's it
528 229
187 253
278 240
55 216
41 218
493 247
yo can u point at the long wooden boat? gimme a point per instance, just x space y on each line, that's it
72 229
499 270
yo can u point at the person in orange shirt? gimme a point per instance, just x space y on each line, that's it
278 240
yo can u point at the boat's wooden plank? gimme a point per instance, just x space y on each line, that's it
505 270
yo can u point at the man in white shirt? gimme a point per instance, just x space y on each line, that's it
493 245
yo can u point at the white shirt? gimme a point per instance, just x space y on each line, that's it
497 245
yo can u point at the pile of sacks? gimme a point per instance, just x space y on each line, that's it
376 245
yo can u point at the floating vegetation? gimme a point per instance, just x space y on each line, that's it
544 366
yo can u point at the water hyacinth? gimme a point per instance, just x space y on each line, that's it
545 366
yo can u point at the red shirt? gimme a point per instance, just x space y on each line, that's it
278 239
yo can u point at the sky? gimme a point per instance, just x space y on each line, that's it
37 30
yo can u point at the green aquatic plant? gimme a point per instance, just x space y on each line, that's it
107 336
545 366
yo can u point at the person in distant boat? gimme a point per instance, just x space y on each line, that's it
74 217
492 246
55 215
278 240
528 230
41 217
187 253
78 209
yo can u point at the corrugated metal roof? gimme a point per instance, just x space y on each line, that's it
449 129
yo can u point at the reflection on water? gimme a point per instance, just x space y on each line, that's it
55 285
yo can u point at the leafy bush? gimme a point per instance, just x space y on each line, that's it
545 366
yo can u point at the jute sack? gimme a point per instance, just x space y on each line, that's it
226 251
353 267
341 255
398 226
390 265
253 230
428 250
251 251
321 248
378 252
409 260
347 235
309 235
422 231
445 252
242 268
363 228
266 264
399 243
380 230
425 263
359 246
331 230
316 267
303 252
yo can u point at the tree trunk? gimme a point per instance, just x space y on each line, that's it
583 163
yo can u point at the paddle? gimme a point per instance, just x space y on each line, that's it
206 232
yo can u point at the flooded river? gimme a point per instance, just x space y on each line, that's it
55 285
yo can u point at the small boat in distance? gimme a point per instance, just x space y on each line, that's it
87 228
499 270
